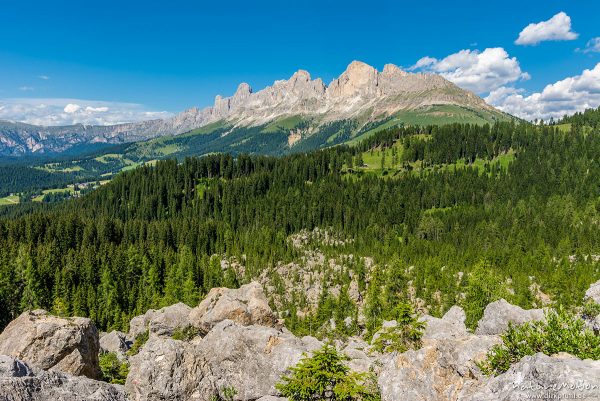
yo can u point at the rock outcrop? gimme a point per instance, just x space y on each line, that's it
543 377
243 348
167 369
20 382
498 314
53 343
246 305
251 359
444 369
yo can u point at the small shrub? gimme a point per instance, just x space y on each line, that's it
138 343
113 370
590 310
186 333
325 375
404 336
561 332
228 394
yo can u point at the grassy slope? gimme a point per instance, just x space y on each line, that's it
372 162
434 115
9 200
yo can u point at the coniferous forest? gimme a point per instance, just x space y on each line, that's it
446 220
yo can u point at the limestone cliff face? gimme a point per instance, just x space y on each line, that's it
360 91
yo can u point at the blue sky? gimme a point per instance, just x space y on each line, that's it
138 59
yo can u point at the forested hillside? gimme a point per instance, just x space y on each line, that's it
445 216
589 117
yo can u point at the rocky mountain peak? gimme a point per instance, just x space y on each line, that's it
359 79
358 90
242 93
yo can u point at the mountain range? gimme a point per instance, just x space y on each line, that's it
358 101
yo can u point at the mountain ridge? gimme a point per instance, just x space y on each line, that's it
361 92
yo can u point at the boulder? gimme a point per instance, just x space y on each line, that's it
543 377
498 314
167 369
442 370
161 322
115 342
451 325
593 293
246 305
251 359
53 343
20 382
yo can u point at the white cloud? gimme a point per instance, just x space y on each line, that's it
423 62
556 28
592 46
72 108
563 97
44 77
75 111
478 71
26 88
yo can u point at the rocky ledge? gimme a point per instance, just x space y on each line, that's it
233 340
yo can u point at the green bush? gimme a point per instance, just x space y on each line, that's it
562 331
138 343
186 333
590 310
404 336
325 375
113 370
228 394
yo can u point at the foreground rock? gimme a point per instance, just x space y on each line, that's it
498 314
251 359
167 369
543 377
442 370
20 382
53 343
246 305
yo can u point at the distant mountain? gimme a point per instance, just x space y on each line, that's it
360 95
